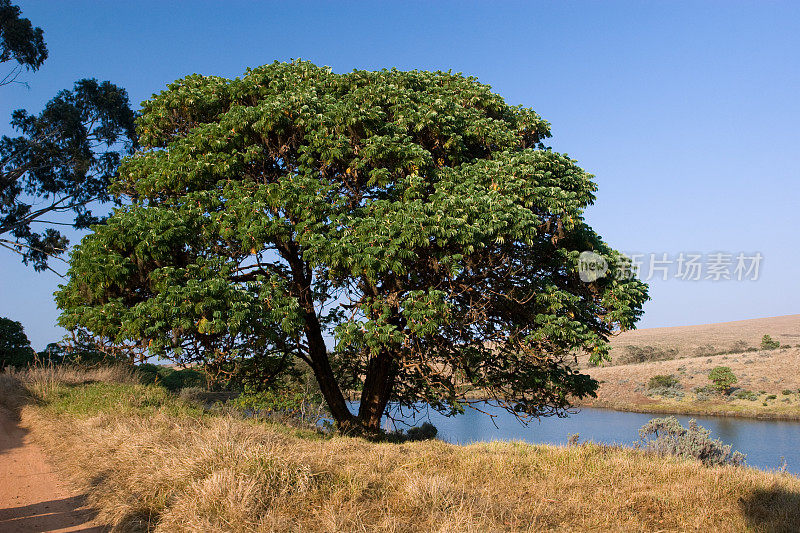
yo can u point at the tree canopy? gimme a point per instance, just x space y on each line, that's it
19 42
62 162
406 234
15 348
63 159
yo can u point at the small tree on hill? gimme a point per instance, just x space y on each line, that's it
767 343
413 219
15 348
723 378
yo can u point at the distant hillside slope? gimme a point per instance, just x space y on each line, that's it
768 380
655 344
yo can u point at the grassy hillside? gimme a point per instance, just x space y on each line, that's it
768 380
152 461
703 340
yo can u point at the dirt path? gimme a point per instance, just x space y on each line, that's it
32 498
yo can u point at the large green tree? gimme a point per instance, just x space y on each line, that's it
406 234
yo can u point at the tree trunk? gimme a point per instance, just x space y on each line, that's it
323 372
378 385
317 351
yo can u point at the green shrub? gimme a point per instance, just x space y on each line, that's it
662 381
668 437
426 431
767 343
722 378
745 395
148 373
300 401
705 393
666 386
172 379
786 392
771 397
184 378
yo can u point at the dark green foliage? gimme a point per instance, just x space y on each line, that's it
172 379
426 431
667 436
414 218
148 373
722 378
767 343
15 348
662 382
53 354
184 378
19 42
771 397
786 392
63 160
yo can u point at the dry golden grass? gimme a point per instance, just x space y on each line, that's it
163 472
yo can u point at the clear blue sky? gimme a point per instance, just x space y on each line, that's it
687 113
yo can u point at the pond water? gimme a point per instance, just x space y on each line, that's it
764 442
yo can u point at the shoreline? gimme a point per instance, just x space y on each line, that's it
689 410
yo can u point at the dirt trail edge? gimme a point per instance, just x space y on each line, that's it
32 497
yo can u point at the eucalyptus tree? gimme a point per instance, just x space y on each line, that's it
20 43
59 167
62 159
406 234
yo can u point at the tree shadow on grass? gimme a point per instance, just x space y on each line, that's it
69 513
772 510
